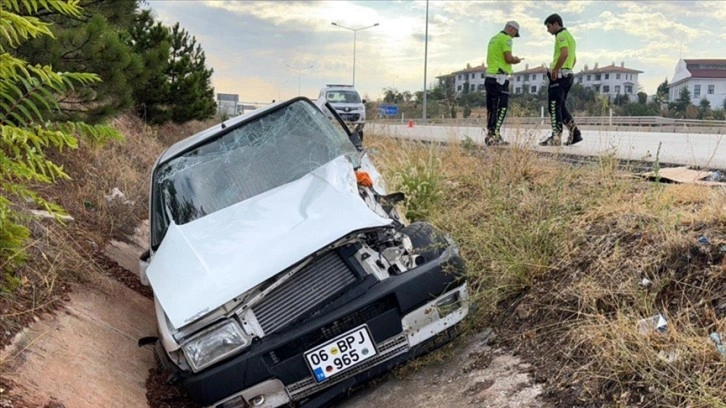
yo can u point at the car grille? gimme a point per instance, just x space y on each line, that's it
349 116
387 350
302 343
310 287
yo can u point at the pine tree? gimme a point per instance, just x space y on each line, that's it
683 102
704 109
28 96
150 39
191 92
661 94
94 40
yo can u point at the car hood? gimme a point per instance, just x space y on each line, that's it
205 263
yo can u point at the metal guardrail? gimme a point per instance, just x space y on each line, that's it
613 123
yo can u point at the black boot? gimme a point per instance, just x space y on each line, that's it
575 134
575 137
494 139
555 139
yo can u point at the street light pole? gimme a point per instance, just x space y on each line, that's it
426 57
299 71
355 32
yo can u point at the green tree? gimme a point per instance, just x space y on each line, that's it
442 91
473 99
150 39
642 98
584 100
621 99
190 87
638 109
389 95
406 96
93 40
704 109
29 93
661 93
683 102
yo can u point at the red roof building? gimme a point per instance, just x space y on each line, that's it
704 79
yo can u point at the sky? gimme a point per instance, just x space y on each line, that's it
264 50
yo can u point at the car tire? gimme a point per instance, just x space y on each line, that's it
427 241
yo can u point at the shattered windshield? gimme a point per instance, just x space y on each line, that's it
265 153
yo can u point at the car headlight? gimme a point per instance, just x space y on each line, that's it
214 344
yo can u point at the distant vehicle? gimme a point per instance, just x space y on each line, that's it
282 272
347 103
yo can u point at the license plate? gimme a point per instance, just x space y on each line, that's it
340 353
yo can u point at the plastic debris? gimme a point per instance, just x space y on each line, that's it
657 323
716 176
116 194
46 214
704 240
669 356
719 344
646 283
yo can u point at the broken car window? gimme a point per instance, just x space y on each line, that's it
258 156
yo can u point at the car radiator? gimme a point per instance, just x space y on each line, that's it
312 286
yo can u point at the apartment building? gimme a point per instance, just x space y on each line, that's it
610 80
530 80
470 79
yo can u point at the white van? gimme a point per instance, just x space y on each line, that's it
347 103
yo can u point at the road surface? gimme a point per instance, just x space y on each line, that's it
707 151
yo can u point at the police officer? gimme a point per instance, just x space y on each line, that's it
561 79
496 84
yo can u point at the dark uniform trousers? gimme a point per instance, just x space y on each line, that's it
556 98
497 104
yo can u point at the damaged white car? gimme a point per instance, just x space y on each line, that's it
281 271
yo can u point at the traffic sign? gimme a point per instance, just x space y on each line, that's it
388 110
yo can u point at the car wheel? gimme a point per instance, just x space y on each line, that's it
427 241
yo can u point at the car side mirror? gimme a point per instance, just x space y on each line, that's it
364 101
356 137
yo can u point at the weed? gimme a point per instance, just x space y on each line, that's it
469 145
420 180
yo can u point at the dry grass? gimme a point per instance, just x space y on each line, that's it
97 170
57 258
557 256
60 255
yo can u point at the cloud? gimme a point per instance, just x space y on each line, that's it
643 23
313 16
250 43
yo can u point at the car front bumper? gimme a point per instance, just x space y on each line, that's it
407 315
